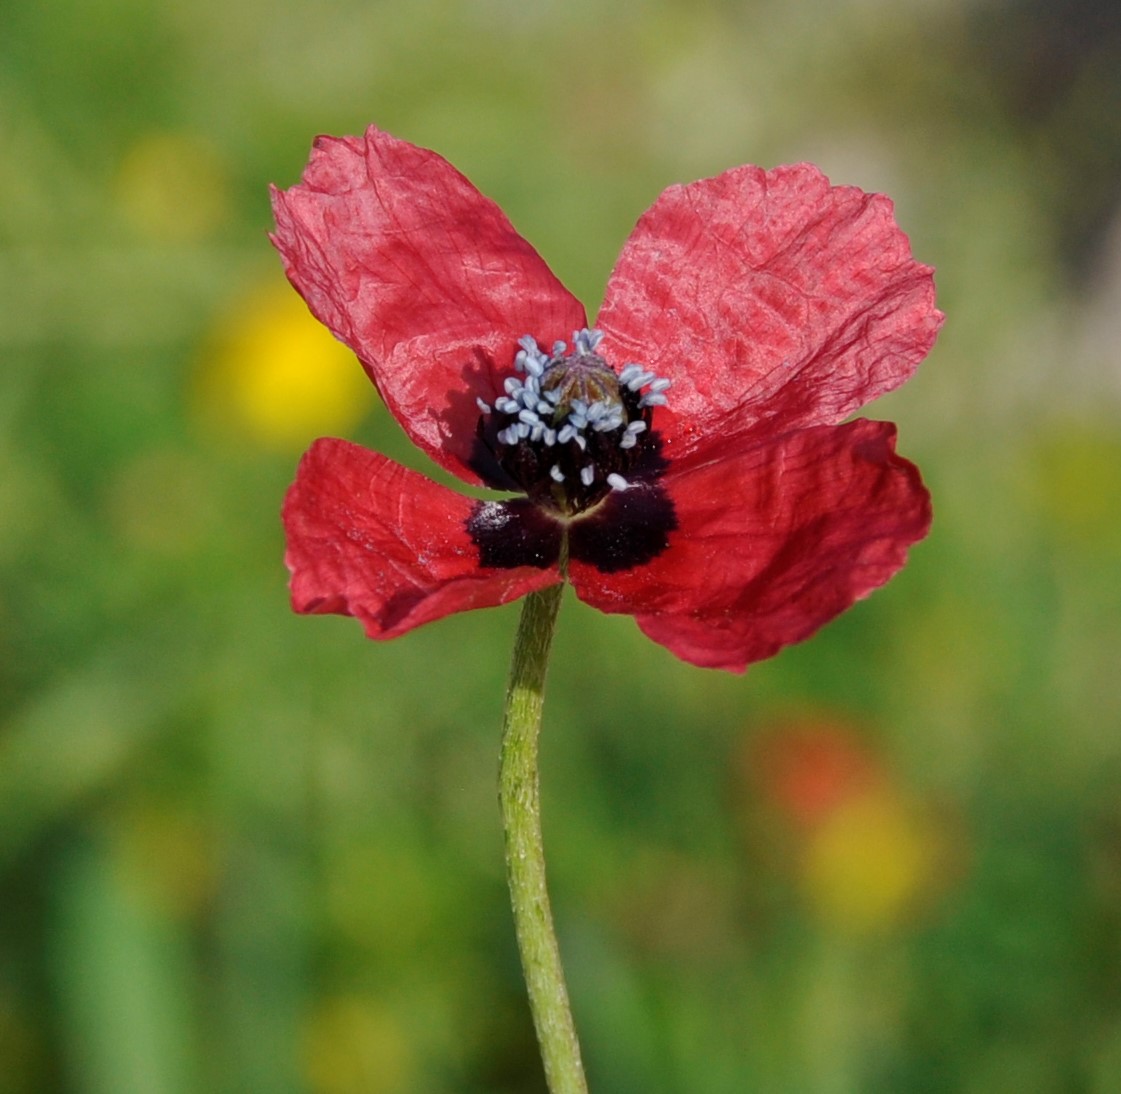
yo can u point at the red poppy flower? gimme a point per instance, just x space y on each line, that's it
682 462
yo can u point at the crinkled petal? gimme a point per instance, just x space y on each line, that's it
423 277
772 300
772 541
372 539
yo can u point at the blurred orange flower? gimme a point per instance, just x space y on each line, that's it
865 851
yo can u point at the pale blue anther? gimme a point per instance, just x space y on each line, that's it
556 474
566 433
559 348
655 398
530 359
630 434
617 482
635 382
588 474
484 408
606 424
660 385
512 385
523 430
550 437
586 340
528 416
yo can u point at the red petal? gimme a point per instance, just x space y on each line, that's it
772 542
768 297
423 277
370 538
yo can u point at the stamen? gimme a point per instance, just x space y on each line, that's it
587 341
530 359
574 402
608 423
630 434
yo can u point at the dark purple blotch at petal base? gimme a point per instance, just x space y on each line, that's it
630 528
514 533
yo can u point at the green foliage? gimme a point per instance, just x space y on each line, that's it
242 851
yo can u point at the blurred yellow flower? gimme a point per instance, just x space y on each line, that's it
173 187
274 372
868 862
1075 478
354 1046
163 857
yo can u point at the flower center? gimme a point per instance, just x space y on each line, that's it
569 429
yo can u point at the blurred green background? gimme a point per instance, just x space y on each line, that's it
242 851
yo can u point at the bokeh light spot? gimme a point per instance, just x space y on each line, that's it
354 1046
274 373
867 863
173 188
1076 477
